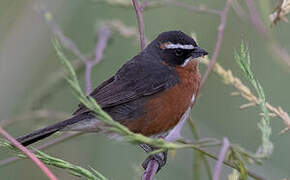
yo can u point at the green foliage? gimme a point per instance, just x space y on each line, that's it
244 61
237 159
72 169
59 163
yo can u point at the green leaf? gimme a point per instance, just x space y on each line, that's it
243 59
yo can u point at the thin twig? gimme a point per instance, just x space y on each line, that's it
29 154
265 33
221 157
139 10
221 29
151 170
45 145
65 41
103 37
257 21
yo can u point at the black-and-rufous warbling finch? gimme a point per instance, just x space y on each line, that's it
149 94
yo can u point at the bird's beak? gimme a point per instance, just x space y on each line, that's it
198 52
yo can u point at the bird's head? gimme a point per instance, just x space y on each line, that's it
176 48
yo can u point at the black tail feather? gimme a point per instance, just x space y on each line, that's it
36 136
47 131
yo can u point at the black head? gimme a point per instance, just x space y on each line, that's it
176 48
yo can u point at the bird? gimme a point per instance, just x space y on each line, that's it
149 94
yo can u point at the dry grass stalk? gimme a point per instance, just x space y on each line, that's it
280 12
246 93
122 29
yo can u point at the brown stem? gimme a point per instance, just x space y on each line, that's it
139 10
221 29
103 36
221 157
29 154
151 170
62 138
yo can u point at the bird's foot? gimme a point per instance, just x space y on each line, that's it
160 158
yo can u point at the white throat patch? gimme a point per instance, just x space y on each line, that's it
186 61
179 46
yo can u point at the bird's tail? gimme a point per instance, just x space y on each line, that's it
77 123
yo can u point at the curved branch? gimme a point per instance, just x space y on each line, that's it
139 10
29 154
221 29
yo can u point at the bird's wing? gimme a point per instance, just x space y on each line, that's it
135 79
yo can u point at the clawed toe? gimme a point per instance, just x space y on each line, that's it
160 158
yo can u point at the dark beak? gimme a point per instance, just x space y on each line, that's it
198 52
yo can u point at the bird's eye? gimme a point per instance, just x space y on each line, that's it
178 52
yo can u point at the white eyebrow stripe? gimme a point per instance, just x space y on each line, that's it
179 46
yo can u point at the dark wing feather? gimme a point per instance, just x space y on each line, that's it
139 77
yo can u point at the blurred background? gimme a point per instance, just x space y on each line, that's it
28 63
